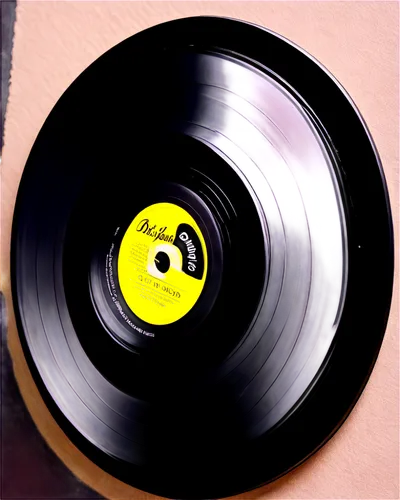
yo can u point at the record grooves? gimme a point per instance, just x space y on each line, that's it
192 266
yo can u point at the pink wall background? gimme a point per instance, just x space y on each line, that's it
358 43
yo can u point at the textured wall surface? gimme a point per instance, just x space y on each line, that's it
7 12
358 43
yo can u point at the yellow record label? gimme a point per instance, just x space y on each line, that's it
162 264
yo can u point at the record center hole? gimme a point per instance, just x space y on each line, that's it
162 262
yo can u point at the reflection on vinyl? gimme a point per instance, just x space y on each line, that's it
202 258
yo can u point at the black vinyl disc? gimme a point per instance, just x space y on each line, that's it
202 258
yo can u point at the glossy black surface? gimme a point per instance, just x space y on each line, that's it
265 400
29 468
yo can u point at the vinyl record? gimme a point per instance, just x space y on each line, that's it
202 258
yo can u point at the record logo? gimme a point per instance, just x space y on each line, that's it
162 264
